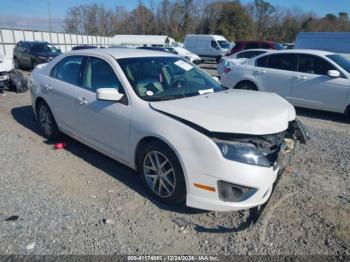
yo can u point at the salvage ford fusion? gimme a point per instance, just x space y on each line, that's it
189 137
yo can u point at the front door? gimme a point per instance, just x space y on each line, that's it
313 88
103 124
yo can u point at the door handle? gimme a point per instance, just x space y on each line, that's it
261 71
82 100
301 77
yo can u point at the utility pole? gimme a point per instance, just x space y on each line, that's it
50 20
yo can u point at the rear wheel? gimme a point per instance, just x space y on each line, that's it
246 85
47 122
162 174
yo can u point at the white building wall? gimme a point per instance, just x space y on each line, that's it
65 42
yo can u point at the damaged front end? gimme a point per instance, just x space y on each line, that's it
261 150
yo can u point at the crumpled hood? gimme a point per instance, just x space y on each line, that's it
232 111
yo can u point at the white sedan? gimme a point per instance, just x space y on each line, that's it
306 78
190 139
226 62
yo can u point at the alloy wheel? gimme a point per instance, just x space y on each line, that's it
45 120
159 174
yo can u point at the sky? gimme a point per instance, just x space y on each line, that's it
39 8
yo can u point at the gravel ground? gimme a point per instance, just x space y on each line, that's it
77 201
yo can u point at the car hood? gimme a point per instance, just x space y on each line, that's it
232 111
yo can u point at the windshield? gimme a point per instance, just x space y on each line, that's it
166 78
42 47
224 44
342 60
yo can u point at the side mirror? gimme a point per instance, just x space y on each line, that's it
59 51
333 73
109 94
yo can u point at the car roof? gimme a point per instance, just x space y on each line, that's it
258 49
304 51
118 53
254 41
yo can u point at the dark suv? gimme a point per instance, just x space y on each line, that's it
243 45
30 53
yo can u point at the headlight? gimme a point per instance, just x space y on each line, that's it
242 152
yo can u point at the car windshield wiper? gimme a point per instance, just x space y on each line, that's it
163 98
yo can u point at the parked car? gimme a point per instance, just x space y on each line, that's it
226 62
188 137
193 58
31 53
208 47
257 44
337 42
306 78
79 47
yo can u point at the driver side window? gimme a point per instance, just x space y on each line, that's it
99 74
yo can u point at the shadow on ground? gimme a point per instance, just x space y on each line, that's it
24 116
323 115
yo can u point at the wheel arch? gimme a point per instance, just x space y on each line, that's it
149 139
248 80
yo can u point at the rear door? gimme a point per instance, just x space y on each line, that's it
103 124
61 89
313 88
274 73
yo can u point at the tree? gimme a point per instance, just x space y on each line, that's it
262 12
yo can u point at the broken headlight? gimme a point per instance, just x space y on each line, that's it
242 152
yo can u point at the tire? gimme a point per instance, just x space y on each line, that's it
16 63
347 113
163 184
246 85
46 121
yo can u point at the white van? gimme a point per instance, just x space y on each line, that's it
208 47
337 42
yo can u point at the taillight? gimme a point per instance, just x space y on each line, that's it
227 69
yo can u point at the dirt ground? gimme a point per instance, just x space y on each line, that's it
77 201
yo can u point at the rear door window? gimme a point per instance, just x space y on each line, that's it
283 62
314 65
262 61
68 70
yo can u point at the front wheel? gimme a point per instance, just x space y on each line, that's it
162 174
47 122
